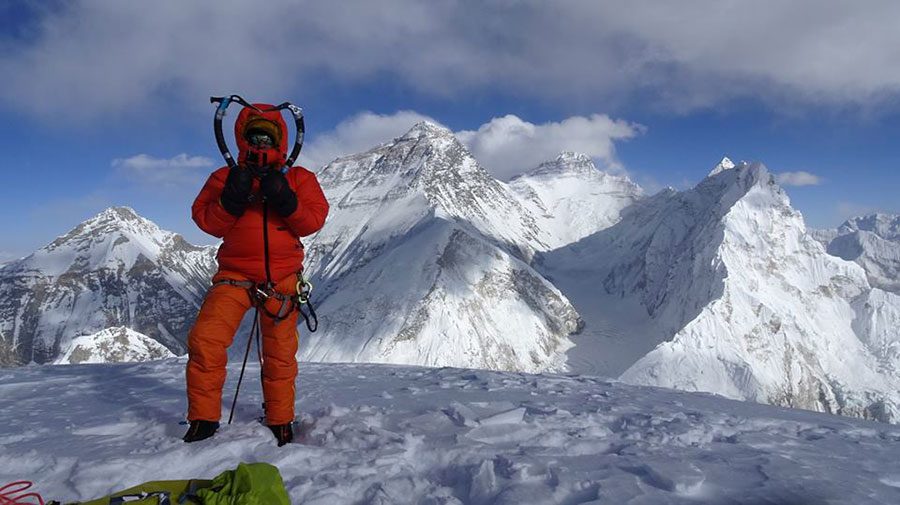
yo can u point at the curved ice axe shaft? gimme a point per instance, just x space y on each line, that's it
225 101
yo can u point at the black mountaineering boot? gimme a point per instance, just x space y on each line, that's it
283 433
200 430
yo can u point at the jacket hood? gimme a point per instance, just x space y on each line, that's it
249 116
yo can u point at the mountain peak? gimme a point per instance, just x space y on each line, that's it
886 226
725 164
117 213
426 129
567 162
743 174
122 218
114 269
119 224
573 157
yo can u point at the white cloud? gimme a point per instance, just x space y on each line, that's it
87 59
797 179
507 146
178 170
356 134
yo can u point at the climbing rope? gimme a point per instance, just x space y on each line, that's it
9 492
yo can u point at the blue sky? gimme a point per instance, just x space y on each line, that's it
106 103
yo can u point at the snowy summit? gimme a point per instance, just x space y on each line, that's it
725 164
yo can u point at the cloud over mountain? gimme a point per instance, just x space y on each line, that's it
509 145
506 146
800 178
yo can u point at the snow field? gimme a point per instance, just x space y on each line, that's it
396 434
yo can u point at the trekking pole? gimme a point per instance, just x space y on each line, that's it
259 355
244 366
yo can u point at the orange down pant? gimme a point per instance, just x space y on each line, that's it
208 341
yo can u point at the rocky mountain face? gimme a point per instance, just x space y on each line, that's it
736 298
425 260
116 269
873 242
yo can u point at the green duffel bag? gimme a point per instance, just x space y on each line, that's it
253 484
248 484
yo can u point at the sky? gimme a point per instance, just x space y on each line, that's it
107 103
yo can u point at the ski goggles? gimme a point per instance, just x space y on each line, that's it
262 133
260 138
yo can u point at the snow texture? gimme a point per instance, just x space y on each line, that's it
407 435
424 259
873 241
113 345
572 198
721 289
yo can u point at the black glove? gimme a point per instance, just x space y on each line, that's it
275 189
236 194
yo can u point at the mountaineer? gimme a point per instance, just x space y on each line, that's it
260 207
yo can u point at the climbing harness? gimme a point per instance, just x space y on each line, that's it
260 293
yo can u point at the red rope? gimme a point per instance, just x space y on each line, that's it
8 494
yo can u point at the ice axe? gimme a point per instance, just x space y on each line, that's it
225 101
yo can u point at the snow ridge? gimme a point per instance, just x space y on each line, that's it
873 242
740 300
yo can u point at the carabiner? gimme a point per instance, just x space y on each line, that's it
304 288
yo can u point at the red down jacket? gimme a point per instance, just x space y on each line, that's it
242 250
